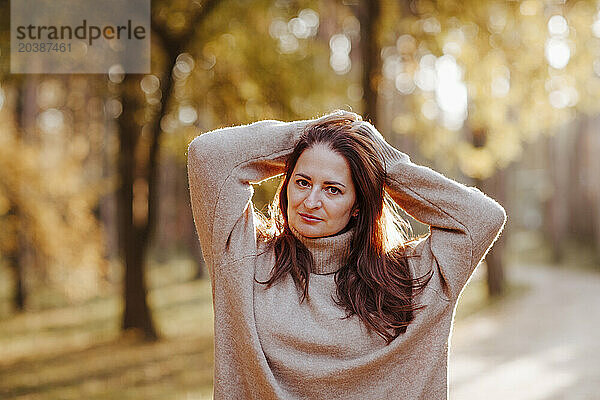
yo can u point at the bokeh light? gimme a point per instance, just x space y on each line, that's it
557 52
187 115
116 73
51 121
339 59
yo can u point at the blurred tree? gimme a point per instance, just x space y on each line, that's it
46 203
14 245
477 79
263 61
173 28
368 12
48 229
272 60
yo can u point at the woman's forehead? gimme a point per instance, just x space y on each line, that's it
320 162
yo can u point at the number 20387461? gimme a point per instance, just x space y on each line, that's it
44 47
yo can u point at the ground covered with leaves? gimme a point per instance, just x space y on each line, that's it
76 351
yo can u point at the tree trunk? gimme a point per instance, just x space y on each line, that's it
561 173
186 221
137 314
368 15
19 289
138 196
15 263
133 243
495 187
16 258
580 223
593 126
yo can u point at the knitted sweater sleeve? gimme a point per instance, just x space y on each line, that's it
222 164
464 222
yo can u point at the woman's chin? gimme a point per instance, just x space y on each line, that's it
308 230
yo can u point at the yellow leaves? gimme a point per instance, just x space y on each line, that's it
50 93
249 90
403 124
176 144
492 113
589 100
504 144
497 17
8 234
514 94
48 192
475 162
79 147
581 17
425 7
177 21
530 7
4 204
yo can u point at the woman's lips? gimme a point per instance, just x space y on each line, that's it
306 218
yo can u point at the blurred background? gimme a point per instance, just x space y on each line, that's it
103 289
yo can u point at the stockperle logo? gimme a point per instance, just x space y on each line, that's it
80 36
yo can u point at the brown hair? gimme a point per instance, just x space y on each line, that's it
375 283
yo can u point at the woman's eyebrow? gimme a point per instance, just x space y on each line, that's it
326 182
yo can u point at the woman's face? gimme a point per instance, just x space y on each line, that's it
320 187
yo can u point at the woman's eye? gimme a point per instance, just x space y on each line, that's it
302 182
334 190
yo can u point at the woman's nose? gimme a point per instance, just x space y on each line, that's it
313 199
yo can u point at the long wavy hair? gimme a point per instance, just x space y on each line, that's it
375 283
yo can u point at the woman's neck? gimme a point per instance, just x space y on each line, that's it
330 253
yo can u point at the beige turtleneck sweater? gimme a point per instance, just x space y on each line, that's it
328 252
268 345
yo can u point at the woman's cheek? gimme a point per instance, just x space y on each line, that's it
294 198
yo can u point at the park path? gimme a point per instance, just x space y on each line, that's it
544 344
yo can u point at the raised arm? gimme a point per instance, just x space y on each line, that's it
222 164
464 222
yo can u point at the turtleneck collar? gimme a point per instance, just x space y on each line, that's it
330 252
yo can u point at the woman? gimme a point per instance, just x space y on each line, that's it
327 299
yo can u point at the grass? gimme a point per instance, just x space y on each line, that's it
78 352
